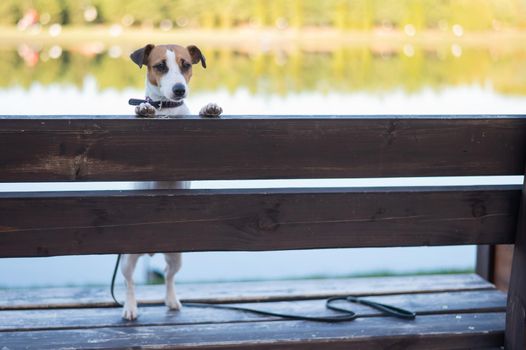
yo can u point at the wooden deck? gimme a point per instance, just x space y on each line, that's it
463 310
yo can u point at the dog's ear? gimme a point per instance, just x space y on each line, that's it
196 55
140 56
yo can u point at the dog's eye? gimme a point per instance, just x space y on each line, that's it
161 67
185 65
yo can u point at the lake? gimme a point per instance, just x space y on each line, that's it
451 76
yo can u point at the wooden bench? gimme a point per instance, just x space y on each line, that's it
454 311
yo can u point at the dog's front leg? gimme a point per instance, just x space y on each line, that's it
130 310
173 264
145 110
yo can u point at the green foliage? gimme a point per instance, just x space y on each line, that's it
343 14
10 12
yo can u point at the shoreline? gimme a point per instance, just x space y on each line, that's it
258 40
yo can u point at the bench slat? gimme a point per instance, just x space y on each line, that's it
239 292
427 303
44 224
105 148
426 332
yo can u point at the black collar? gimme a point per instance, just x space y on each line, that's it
156 104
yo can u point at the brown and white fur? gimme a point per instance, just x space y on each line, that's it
168 74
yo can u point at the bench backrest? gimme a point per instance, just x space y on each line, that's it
129 149
114 148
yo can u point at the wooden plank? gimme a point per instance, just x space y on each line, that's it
449 331
503 260
238 292
516 312
45 224
82 148
485 263
428 303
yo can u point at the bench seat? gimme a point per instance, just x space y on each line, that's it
454 312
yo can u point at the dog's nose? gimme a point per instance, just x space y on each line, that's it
179 90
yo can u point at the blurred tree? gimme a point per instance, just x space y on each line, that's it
342 14
10 12
296 13
51 8
259 12
415 14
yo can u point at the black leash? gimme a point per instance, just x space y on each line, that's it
113 277
346 314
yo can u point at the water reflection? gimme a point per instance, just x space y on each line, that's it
374 70
453 77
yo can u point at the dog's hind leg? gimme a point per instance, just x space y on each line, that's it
173 264
130 310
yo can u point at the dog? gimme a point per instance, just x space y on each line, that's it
167 78
169 69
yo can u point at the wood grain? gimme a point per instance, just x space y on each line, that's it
423 304
239 292
470 331
485 262
503 261
46 224
516 310
104 148
458 312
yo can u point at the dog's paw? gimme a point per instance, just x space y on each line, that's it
173 303
145 110
130 312
211 110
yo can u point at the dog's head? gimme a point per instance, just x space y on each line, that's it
169 67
